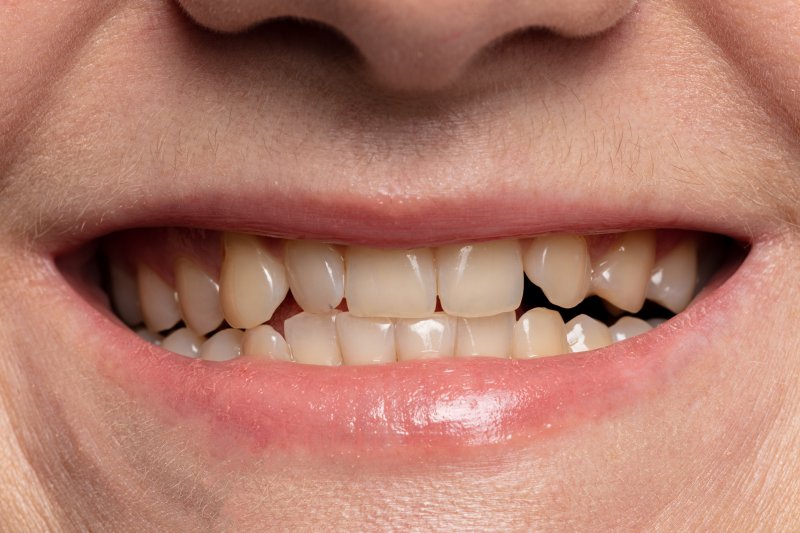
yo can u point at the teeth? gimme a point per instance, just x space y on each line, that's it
479 280
627 327
655 322
313 338
560 266
149 336
622 275
673 277
539 332
125 294
198 294
159 301
365 341
585 333
485 336
316 275
264 341
223 346
427 338
252 281
396 283
183 341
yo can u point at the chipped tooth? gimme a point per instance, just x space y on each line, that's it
627 327
673 278
485 336
584 333
479 280
263 341
252 281
390 283
622 275
316 275
183 341
539 332
198 295
223 345
365 341
125 294
149 336
312 338
427 338
159 301
560 266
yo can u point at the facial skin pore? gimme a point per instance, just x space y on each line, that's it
686 110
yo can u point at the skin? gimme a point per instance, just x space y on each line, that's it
693 103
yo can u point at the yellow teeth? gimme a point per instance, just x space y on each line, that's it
560 266
585 333
425 338
488 336
159 301
674 277
316 275
222 346
263 341
313 338
539 332
622 275
365 341
198 294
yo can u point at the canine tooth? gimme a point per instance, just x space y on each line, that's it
539 332
395 283
316 275
479 280
673 278
584 333
125 294
485 336
627 327
252 281
159 301
622 275
198 295
183 341
223 346
365 341
560 266
426 338
264 341
312 338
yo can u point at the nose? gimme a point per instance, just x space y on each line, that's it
418 44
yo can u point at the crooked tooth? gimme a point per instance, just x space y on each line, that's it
198 294
539 332
312 338
673 278
125 294
485 336
395 283
316 275
183 341
223 346
560 266
585 333
365 341
479 280
627 327
159 301
264 341
622 275
252 281
426 338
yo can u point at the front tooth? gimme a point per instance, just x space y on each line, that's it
427 338
125 294
485 336
252 281
673 277
395 283
198 294
627 327
365 341
183 341
159 301
479 280
560 266
223 346
264 341
539 332
316 275
622 275
312 338
585 333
